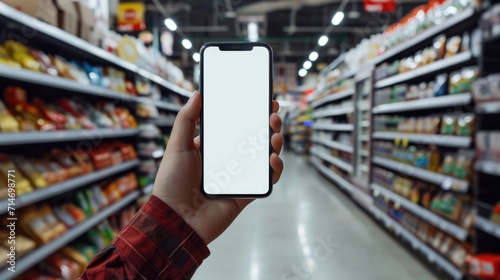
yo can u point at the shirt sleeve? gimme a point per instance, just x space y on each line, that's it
156 244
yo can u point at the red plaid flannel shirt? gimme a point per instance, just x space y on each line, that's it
156 244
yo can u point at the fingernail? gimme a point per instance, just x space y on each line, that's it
192 97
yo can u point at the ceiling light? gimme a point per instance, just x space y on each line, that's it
313 56
187 44
302 72
253 32
337 18
322 40
170 23
196 57
307 65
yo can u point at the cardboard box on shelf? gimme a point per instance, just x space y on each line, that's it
86 20
67 16
43 10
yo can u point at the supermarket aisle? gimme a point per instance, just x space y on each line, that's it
307 225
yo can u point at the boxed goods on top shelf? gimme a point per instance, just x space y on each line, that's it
455 164
442 48
452 206
19 114
41 169
490 24
449 124
420 19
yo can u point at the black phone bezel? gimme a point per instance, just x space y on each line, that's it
236 46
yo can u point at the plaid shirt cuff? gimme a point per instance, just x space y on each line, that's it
159 244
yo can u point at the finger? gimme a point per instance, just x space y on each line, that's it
181 138
277 166
197 141
275 121
276 106
277 142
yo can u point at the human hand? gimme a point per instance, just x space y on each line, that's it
179 177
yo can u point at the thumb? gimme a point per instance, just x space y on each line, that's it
182 135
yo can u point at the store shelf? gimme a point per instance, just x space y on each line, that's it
61 83
489 167
333 97
364 168
161 104
163 122
448 101
333 144
333 127
492 107
365 124
66 186
333 112
333 176
425 35
431 139
417 244
21 138
445 182
362 197
431 217
36 256
35 25
364 138
364 153
487 226
155 154
335 161
440 65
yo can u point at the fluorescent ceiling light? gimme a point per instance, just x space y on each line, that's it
187 44
302 72
337 18
323 40
307 65
196 57
313 56
253 32
170 23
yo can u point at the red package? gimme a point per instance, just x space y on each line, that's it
77 112
485 265
61 266
49 113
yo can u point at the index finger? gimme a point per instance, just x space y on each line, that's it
276 106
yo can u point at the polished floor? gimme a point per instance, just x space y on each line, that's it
307 229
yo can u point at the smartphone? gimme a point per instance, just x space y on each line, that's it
236 91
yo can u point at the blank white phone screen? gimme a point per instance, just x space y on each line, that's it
236 121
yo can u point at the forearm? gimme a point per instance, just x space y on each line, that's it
156 244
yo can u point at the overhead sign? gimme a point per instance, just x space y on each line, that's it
131 16
378 6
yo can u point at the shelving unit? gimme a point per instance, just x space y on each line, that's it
430 139
423 104
39 254
335 161
431 255
438 66
53 40
333 127
344 184
487 226
67 186
446 182
23 138
488 167
333 97
431 217
333 144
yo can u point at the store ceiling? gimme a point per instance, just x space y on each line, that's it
292 27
